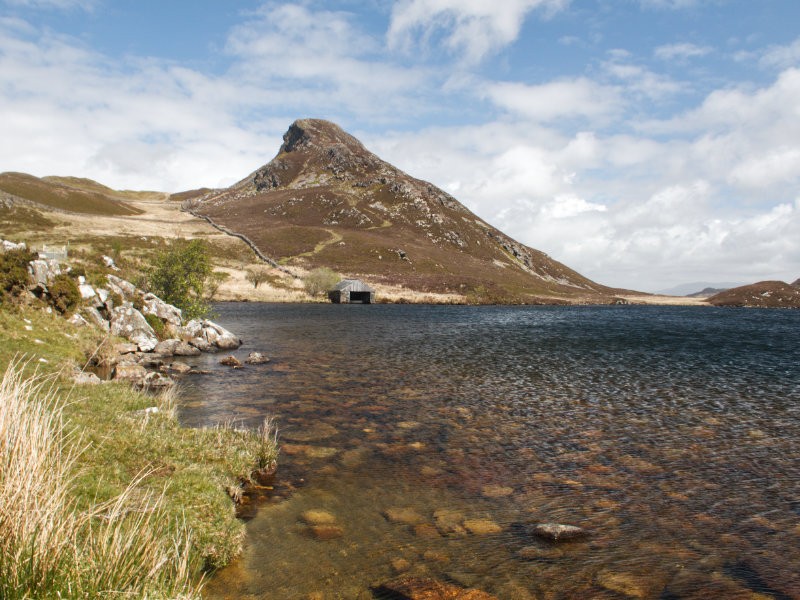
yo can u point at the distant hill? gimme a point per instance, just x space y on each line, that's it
325 200
706 293
796 283
69 194
764 294
696 288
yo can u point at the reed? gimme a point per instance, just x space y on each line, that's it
48 548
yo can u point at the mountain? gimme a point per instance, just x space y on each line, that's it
706 292
764 294
796 283
69 194
325 200
697 288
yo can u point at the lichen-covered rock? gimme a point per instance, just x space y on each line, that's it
191 330
43 271
154 305
186 349
129 323
201 344
78 320
231 361
166 347
122 287
83 378
256 358
220 337
8 246
127 371
87 291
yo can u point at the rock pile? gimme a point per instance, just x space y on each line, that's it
124 310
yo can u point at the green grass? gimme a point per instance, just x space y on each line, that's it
166 483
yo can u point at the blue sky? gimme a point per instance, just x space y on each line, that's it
645 143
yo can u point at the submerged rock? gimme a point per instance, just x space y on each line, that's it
231 361
405 516
420 588
449 522
318 516
557 532
482 526
256 358
326 532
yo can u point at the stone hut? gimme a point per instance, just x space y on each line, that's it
348 291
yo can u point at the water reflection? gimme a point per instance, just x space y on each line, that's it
670 434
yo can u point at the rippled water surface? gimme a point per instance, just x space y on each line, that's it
670 434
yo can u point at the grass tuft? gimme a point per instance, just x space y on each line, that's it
48 548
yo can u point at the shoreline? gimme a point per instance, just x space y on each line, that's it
129 438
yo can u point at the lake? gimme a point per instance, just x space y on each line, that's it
430 441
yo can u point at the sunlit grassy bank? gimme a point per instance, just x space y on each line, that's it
101 492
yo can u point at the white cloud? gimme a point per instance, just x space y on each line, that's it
782 57
582 98
565 206
473 28
680 52
320 58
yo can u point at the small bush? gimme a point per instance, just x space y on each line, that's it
257 276
64 294
14 276
179 277
157 325
320 281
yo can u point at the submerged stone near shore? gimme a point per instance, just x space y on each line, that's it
420 588
558 532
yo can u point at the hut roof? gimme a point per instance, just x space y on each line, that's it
352 285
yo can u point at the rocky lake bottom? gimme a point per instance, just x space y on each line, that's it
430 442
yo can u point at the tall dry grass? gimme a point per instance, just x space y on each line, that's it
50 549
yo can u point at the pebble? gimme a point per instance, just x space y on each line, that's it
406 516
496 491
326 532
449 522
426 530
557 532
318 516
400 565
482 526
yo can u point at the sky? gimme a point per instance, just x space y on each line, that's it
644 143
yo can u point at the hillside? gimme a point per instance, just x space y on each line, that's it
325 200
69 194
764 294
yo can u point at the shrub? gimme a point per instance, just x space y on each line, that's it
179 277
14 276
64 294
213 283
320 281
257 276
157 325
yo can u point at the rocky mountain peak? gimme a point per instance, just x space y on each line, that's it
325 200
304 134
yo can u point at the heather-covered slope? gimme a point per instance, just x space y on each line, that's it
764 294
69 194
325 200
